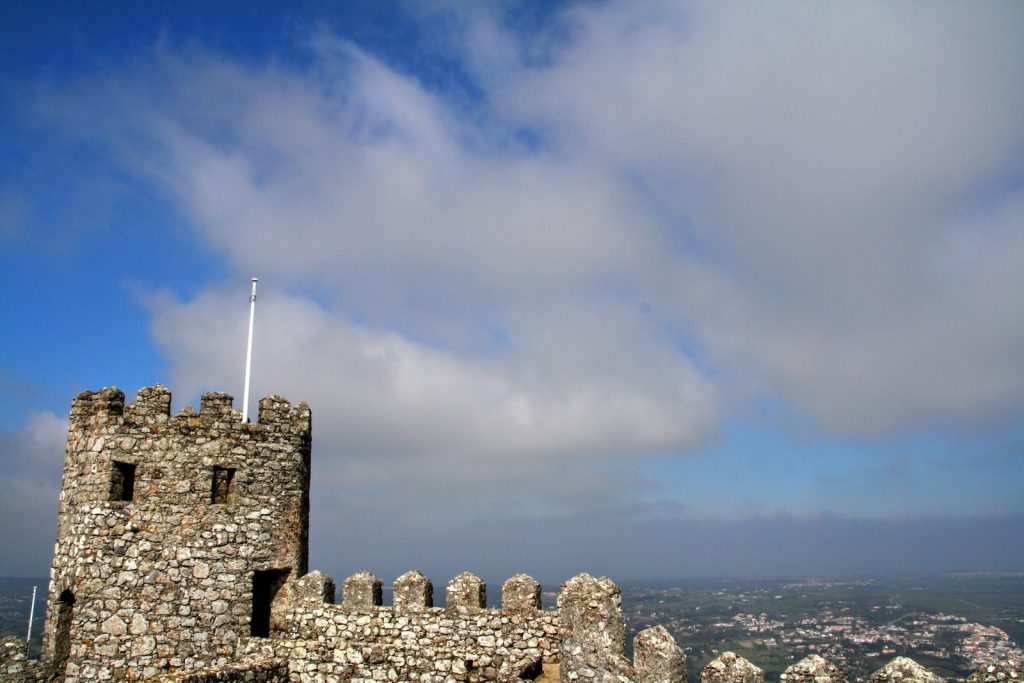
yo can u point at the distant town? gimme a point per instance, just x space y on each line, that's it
951 623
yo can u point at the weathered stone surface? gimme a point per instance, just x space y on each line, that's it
14 668
114 625
201 547
903 670
521 592
997 672
593 630
273 671
731 668
813 669
657 658
362 590
145 558
332 642
413 592
466 593
312 590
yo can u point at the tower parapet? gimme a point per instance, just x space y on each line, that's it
174 532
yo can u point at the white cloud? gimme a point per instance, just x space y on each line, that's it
390 409
822 196
821 167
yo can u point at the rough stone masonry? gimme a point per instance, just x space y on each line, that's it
181 555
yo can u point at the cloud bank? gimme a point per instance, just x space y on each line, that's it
633 223
822 205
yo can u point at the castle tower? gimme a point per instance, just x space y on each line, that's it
174 533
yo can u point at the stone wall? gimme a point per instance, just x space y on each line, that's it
14 667
173 532
268 671
363 640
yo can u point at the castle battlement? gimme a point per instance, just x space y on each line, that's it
182 552
153 406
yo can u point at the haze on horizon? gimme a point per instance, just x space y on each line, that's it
645 289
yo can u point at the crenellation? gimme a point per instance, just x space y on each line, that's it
731 668
813 669
313 590
277 412
216 405
106 403
466 593
363 590
182 553
338 642
413 592
151 404
903 670
593 631
521 592
657 658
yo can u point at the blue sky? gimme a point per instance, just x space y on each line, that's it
648 289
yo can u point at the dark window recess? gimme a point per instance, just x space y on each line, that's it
122 481
62 632
222 478
265 585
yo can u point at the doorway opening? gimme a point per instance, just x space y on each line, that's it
265 585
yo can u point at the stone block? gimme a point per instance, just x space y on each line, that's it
520 593
593 630
813 669
362 590
152 403
314 589
107 402
903 670
466 593
657 658
413 592
731 668
215 404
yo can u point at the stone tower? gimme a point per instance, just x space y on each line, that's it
174 534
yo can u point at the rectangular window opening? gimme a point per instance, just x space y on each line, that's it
122 481
265 585
62 633
222 478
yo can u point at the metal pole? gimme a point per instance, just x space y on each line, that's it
248 351
31 615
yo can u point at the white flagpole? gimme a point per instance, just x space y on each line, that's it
31 615
248 351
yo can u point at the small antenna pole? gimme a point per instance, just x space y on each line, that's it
248 351
31 615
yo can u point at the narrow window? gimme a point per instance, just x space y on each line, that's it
265 585
122 481
222 477
62 632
